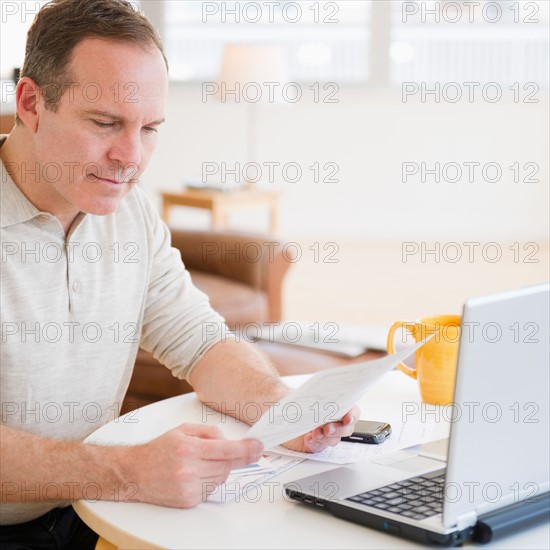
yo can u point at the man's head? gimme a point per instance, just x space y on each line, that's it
90 98
62 24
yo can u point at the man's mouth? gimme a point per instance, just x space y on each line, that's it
107 180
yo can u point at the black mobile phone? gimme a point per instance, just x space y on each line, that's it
368 431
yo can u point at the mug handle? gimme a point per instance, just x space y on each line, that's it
391 348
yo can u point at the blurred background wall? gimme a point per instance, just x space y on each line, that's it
418 149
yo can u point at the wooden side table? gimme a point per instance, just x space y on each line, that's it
221 203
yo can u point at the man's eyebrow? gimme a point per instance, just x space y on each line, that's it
156 122
107 114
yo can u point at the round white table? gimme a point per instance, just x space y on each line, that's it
266 519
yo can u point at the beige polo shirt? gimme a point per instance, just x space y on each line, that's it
75 309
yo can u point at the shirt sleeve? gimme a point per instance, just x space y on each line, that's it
179 325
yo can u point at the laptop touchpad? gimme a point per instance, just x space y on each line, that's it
409 463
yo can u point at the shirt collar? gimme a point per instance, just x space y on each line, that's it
14 207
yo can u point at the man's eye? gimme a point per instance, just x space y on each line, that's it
104 124
149 129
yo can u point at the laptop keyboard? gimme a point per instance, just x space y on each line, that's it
416 498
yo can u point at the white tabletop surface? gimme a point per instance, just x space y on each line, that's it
266 519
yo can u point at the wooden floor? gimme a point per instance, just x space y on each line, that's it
373 282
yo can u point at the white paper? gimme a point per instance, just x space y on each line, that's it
345 340
326 397
403 435
249 478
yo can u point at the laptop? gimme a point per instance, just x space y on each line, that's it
491 476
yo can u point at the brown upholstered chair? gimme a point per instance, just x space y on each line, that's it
243 276
241 273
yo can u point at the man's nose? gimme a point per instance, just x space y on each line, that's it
126 149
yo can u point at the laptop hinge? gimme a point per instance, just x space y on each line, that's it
466 520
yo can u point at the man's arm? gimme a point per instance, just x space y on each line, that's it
234 378
176 469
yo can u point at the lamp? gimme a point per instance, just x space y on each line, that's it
246 67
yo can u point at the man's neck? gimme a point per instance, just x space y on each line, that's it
17 153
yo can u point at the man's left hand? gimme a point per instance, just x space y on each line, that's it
327 435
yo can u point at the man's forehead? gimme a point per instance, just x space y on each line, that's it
117 63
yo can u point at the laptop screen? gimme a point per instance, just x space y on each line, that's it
499 443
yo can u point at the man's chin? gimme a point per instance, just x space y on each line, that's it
102 208
104 200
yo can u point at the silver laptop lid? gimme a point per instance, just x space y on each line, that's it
499 444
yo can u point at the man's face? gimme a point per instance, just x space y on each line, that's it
105 128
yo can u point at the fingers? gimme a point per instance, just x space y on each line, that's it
314 445
214 445
330 434
195 460
219 457
202 431
326 436
342 428
352 416
226 450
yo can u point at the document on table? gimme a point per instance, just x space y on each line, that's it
344 340
245 482
404 434
326 397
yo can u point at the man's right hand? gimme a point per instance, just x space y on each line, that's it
181 467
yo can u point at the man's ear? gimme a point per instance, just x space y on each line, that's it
28 97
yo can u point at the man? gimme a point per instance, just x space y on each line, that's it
88 275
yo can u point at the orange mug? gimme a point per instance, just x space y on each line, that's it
436 360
